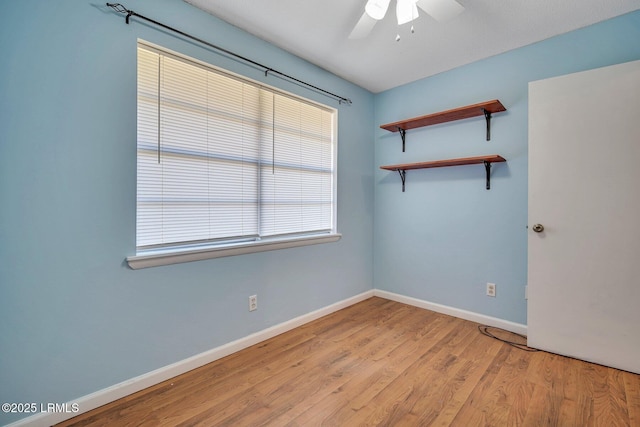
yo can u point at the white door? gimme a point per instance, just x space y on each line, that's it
584 189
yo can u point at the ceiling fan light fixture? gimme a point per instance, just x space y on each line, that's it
406 11
377 8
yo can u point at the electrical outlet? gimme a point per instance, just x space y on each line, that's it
491 289
253 302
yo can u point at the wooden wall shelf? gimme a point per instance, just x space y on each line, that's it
483 108
486 160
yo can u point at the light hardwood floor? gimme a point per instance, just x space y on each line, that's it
382 363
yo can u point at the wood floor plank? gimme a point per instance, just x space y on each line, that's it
545 406
417 385
599 386
302 367
632 393
381 362
441 392
342 403
463 385
617 395
480 403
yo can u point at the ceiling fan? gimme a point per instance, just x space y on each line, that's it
406 11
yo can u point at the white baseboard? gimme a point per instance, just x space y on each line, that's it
125 388
518 328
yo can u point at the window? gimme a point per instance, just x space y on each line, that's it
227 163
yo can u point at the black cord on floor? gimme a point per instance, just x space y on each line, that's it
484 330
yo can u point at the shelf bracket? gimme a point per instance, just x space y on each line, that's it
403 134
403 176
487 168
487 116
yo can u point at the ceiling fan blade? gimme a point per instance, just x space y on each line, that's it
406 11
441 10
377 8
363 27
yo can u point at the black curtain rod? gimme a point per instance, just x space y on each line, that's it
129 13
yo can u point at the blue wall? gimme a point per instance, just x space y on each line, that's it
74 318
446 236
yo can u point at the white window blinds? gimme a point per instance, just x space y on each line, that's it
222 159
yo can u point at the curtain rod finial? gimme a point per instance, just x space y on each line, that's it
118 7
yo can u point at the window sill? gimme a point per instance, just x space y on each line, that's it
155 259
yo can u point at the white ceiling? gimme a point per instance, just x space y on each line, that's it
318 31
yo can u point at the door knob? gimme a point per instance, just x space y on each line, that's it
538 228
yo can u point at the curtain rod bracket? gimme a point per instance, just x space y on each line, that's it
121 9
